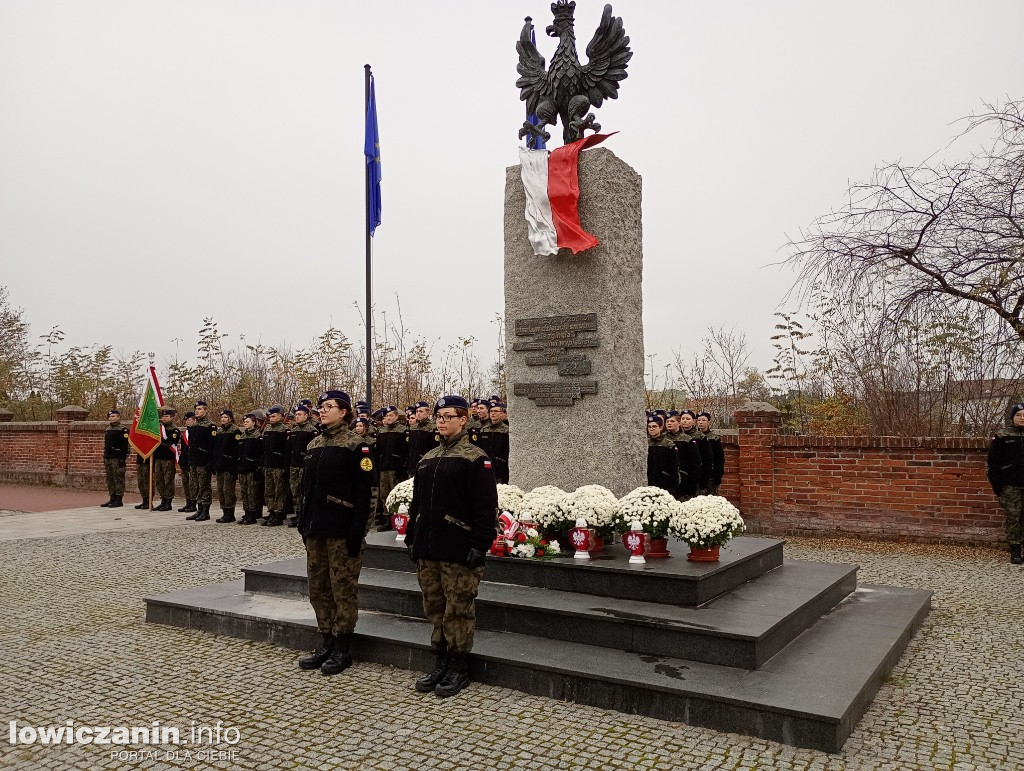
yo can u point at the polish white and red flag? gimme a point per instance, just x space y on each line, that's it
552 185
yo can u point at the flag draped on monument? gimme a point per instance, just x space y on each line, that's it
552 189
144 435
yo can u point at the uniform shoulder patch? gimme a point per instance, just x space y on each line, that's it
366 450
238 436
366 464
487 463
213 432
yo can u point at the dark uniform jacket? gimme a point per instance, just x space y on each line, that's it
336 487
392 448
1006 459
494 441
275 446
226 445
454 503
299 437
115 442
662 463
165 451
690 472
182 449
421 438
716 453
200 442
250 451
706 460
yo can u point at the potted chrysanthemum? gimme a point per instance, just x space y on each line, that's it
595 504
706 522
510 499
540 506
653 508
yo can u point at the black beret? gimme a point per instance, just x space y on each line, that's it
276 408
704 414
389 408
364 421
662 413
307 402
494 398
1015 409
189 414
168 411
672 414
113 412
378 414
301 408
228 412
497 404
451 401
691 413
250 415
339 396
200 403
424 404
656 419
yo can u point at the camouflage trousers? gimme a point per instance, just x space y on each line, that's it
251 483
274 483
295 485
114 469
333 578
142 477
1012 501
186 484
388 480
449 594
163 479
199 476
226 489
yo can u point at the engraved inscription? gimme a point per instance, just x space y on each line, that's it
557 394
573 364
553 336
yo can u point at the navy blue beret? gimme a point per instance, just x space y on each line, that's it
704 414
691 413
168 411
189 414
339 396
424 404
301 408
227 412
276 408
451 401
497 404
200 403
1015 409
113 412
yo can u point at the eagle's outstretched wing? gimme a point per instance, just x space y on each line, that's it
608 53
533 80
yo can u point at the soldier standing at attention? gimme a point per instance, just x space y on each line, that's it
689 457
225 464
494 440
142 478
115 454
250 470
275 465
1006 475
301 434
662 457
451 527
164 458
688 426
333 517
391 452
200 450
715 451
422 437
186 481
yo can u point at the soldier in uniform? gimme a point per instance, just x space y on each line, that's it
333 519
200 450
494 441
186 480
451 527
301 434
164 458
1006 475
115 454
422 437
250 470
275 465
689 457
225 464
688 426
662 457
392 450
715 451
475 422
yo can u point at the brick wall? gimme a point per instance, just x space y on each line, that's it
921 489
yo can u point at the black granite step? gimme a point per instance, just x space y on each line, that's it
672 581
743 628
810 694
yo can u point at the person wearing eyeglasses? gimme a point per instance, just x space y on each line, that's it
337 482
451 526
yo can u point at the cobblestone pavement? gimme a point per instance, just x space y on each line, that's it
75 646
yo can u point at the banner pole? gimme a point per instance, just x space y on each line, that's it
366 224
151 481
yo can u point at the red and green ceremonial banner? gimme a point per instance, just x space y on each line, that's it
144 435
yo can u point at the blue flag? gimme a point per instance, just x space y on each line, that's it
534 142
371 149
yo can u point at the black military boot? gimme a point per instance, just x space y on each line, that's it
429 681
204 512
116 502
108 503
456 678
276 519
197 515
340 659
248 518
293 521
144 504
319 655
189 506
1015 556
229 516
165 505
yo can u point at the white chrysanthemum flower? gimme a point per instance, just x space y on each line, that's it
400 493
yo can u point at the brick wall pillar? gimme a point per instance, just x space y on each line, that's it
758 424
62 456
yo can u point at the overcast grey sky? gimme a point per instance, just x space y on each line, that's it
208 155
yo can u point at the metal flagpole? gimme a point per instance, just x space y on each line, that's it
369 241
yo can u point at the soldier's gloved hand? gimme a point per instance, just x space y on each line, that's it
475 558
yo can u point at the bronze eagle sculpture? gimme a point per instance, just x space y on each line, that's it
568 89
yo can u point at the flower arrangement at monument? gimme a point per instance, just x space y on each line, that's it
594 503
529 544
510 499
400 494
706 521
541 504
652 507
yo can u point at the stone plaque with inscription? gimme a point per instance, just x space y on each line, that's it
560 393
